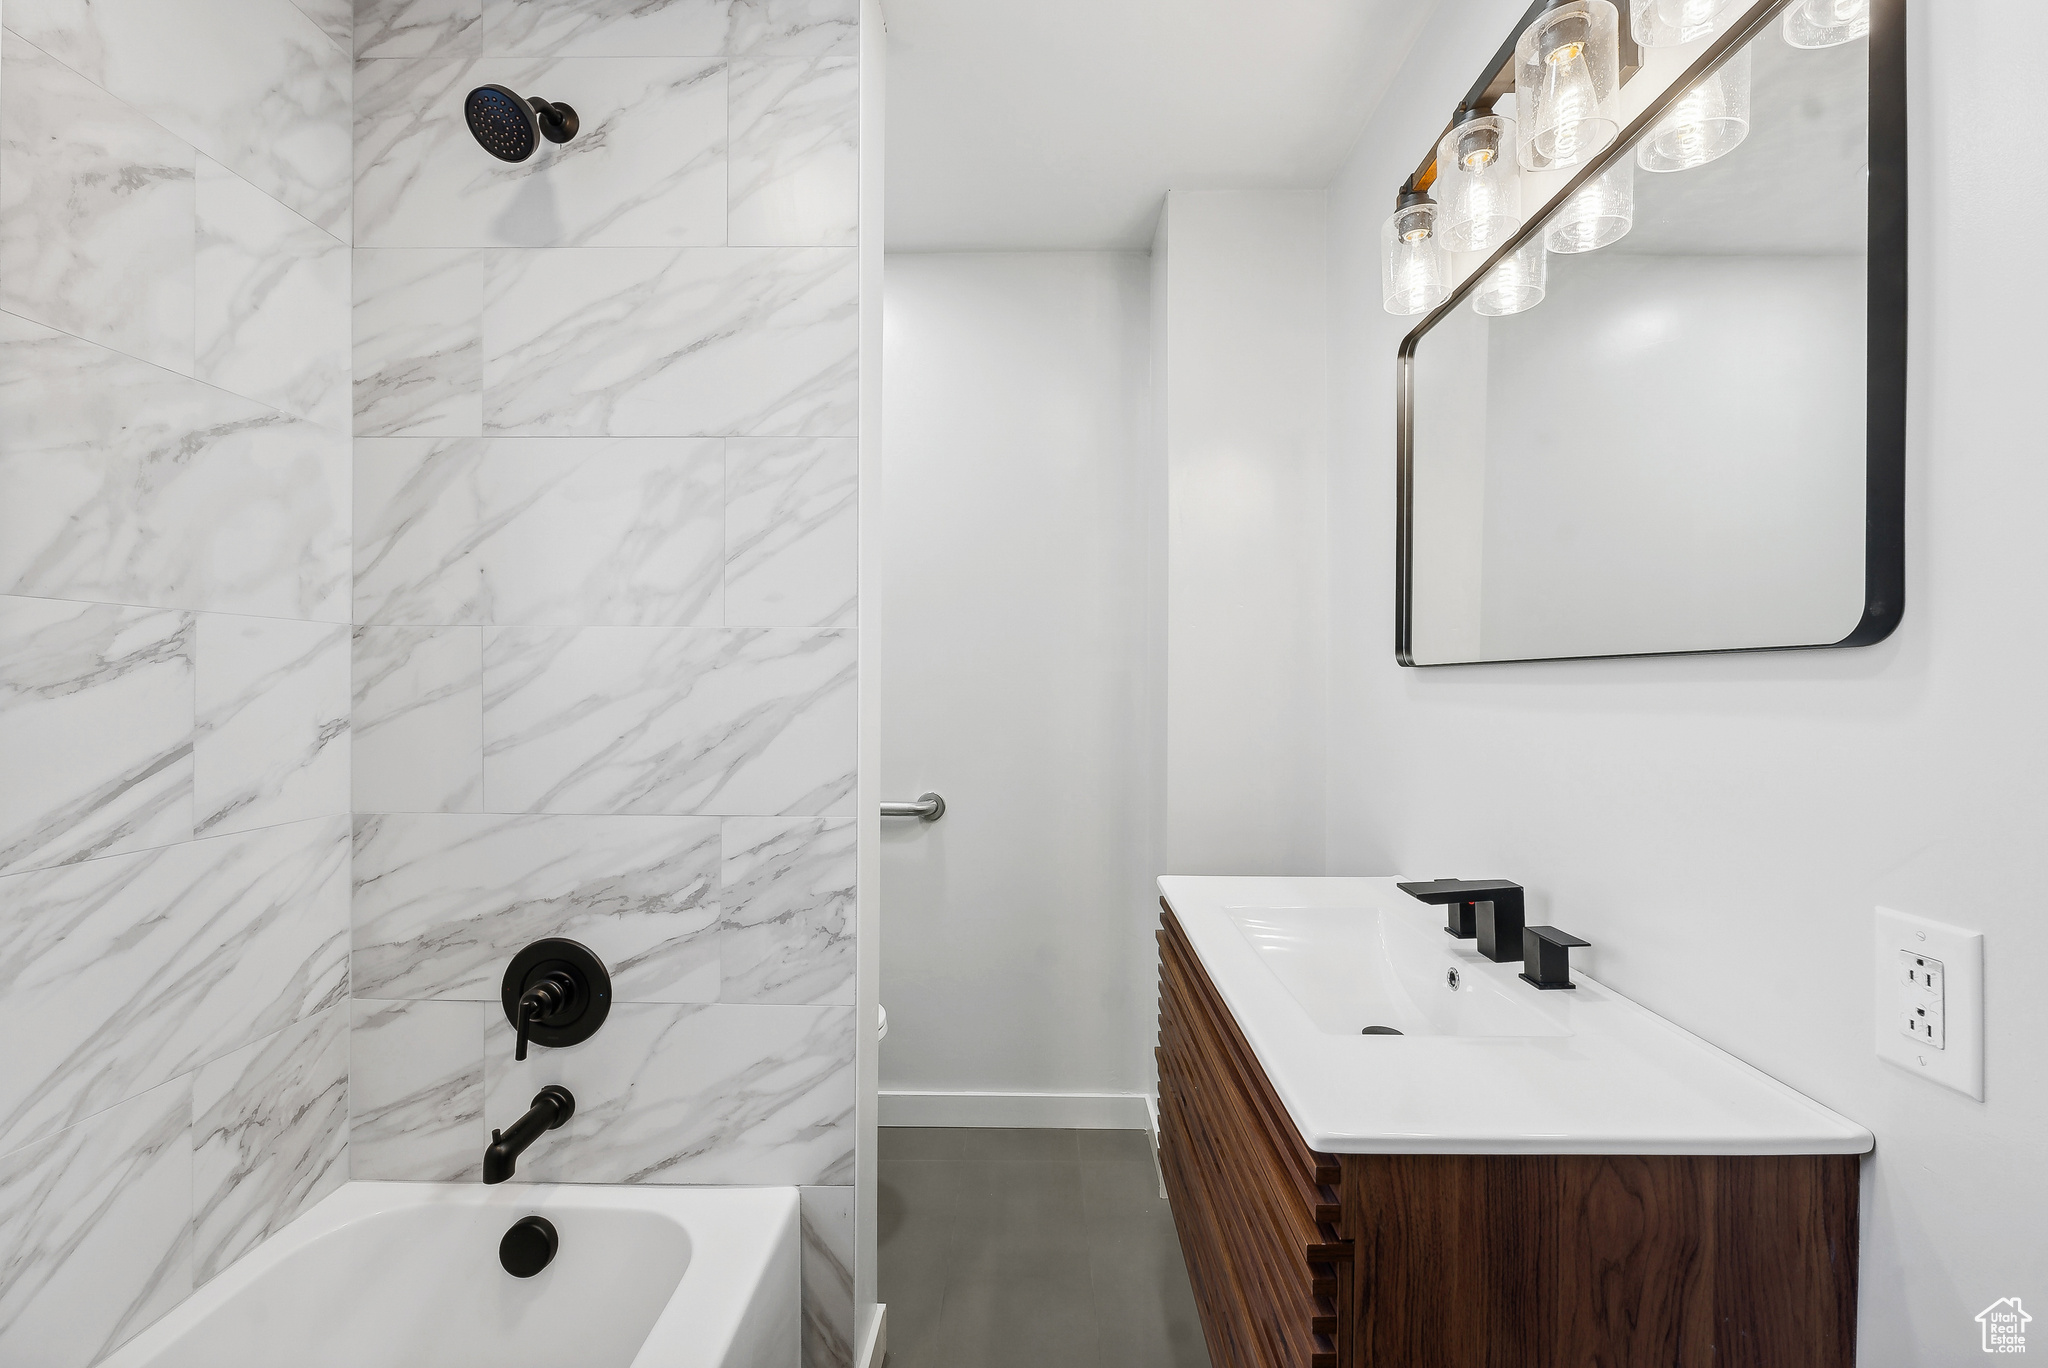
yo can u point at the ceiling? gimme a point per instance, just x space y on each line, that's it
1046 124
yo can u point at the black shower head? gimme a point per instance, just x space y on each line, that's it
511 128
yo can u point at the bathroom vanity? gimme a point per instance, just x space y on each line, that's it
1517 1179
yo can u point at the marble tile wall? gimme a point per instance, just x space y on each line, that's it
175 415
605 613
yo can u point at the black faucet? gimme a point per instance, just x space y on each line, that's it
1489 910
551 1107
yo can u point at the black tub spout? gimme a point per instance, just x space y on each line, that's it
551 1107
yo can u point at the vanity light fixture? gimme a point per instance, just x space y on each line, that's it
1598 214
1709 121
1411 256
1567 83
1517 284
1478 190
1827 23
1673 23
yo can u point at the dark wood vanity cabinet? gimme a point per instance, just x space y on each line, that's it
1258 1211
1307 1260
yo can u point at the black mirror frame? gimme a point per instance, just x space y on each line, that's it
1884 540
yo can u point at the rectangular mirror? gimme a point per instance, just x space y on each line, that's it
1695 440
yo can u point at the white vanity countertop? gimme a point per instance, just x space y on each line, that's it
1491 1066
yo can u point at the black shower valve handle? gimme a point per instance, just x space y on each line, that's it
543 999
526 1015
555 993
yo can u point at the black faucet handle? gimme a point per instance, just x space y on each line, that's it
535 1002
555 993
550 995
1546 956
526 1015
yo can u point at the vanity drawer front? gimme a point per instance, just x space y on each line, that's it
1257 1210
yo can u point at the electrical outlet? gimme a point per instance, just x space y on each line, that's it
1930 1000
1920 1000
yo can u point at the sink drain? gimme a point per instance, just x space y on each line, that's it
1379 1030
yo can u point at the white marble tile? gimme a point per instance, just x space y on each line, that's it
828 1251
96 212
273 302
271 745
732 341
96 1224
418 726
95 731
443 903
786 922
647 168
642 720
795 152
606 28
794 28
269 1136
543 531
138 968
792 531
669 1094
254 84
335 18
127 483
418 28
419 343
416 1091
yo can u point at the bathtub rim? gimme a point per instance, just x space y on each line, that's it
721 1303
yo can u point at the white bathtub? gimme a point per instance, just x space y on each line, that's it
406 1275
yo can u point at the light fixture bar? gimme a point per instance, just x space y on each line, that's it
1718 53
1499 81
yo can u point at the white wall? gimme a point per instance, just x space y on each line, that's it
1242 410
1721 828
1017 673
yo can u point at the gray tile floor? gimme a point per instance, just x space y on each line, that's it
1031 1249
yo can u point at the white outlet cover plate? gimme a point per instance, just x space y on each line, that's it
1961 1064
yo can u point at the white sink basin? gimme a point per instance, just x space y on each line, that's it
1491 1065
1350 968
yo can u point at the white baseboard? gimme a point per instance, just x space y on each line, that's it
1018 1111
874 1345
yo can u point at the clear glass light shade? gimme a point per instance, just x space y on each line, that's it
1598 214
1827 23
1709 121
1516 284
1671 23
1478 188
1567 84
1412 271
